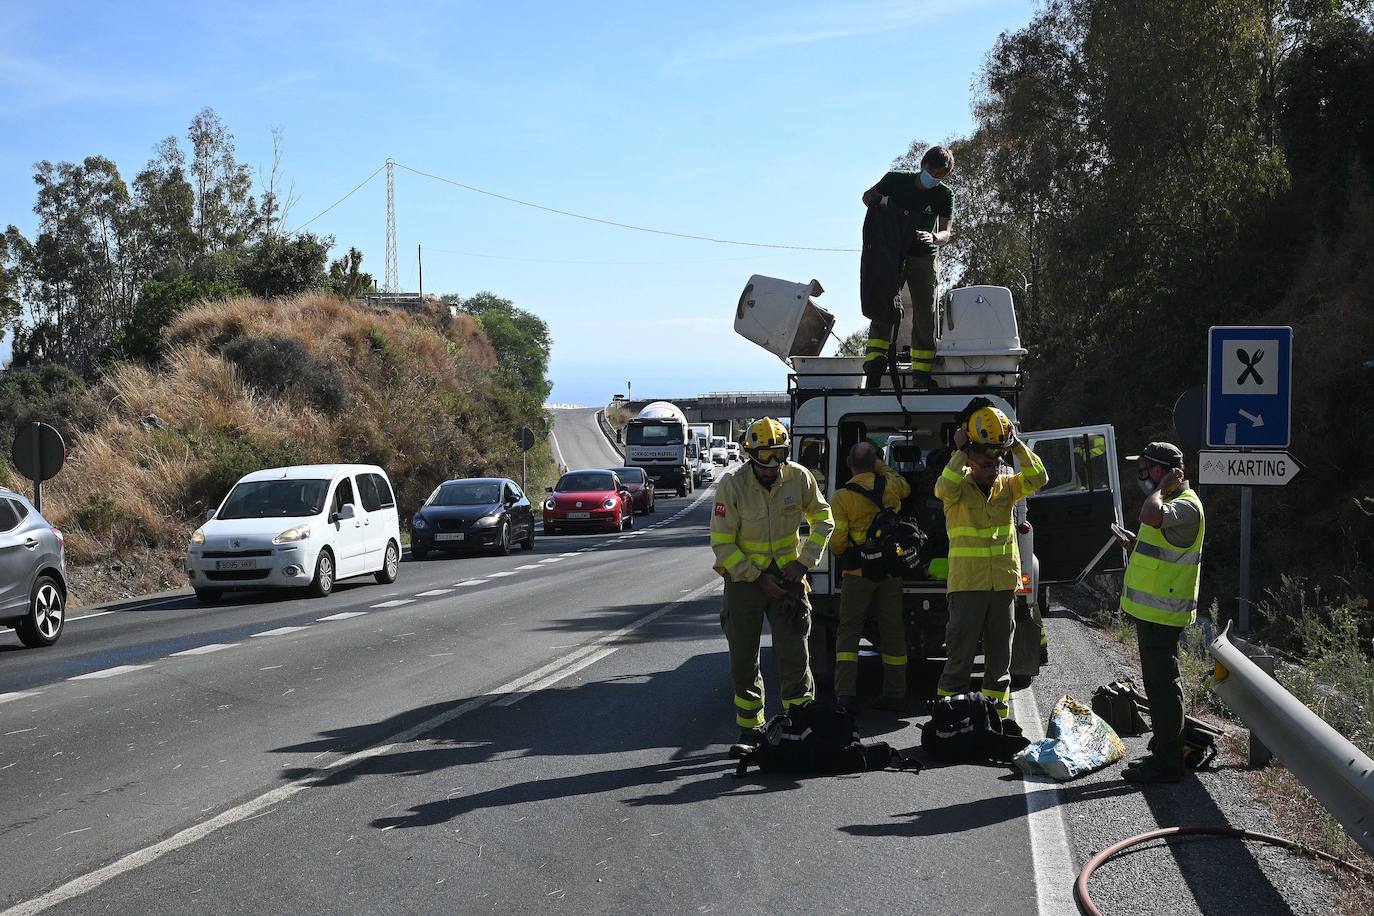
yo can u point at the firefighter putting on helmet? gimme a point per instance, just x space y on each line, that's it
759 550
979 492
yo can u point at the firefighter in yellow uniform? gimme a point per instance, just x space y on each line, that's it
755 536
984 566
854 513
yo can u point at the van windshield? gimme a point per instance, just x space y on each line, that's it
275 499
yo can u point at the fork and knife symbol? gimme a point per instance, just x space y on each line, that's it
1250 360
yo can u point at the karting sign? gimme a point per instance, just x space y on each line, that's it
1255 469
1249 387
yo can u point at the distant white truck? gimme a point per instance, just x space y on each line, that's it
657 441
719 453
699 434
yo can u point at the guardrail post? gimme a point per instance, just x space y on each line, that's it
1259 755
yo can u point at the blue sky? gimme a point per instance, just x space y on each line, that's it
761 122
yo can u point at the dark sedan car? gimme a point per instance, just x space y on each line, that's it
588 499
640 487
475 513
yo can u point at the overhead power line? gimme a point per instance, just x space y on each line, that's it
340 200
615 223
498 257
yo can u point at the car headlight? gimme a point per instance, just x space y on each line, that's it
608 502
549 504
418 522
486 521
198 537
290 535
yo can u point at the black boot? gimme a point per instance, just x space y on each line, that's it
749 738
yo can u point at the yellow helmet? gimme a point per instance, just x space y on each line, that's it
766 442
988 428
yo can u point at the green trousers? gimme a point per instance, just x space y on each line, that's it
1164 689
923 282
860 597
742 618
975 615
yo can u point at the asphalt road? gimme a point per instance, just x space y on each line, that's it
488 734
579 443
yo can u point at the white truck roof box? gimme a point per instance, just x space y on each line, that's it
782 317
979 321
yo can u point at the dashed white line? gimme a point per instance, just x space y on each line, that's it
433 592
551 560
526 566
344 615
108 672
497 575
18 695
468 582
281 631
395 602
205 650
570 554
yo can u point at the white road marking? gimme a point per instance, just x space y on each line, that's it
205 650
433 592
344 615
280 631
396 602
554 678
497 575
18 695
571 554
552 560
526 566
88 616
88 882
108 672
1049 842
468 582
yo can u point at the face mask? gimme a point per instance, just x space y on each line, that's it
928 181
1147 486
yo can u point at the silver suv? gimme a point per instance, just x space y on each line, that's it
33 581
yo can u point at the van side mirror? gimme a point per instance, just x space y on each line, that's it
346 512
210 514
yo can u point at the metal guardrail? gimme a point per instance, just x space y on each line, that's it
1339 774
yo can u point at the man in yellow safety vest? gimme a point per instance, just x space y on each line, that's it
1160 592
755 536
984 566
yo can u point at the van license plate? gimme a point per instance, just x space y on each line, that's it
448 537
236 564
579 515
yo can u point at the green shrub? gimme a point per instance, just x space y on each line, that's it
101 516
230 459
282 366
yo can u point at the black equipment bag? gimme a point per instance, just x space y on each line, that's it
818 739
894 541
1119 705
966 728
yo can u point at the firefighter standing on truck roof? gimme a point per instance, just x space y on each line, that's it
909 218
854 513
984 567
760 507
1160 592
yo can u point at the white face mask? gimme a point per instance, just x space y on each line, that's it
1147 486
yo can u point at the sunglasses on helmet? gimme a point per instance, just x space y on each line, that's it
770 456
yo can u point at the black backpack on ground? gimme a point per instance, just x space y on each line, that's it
819 740
893 547
966 728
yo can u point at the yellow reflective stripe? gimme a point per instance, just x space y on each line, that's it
952 475
841 526
922 354
846 656
1000 695
752 546
797 701
815 537
965 532
1001 550
941 692
782 544
747 704
722 537
734 560
894 659
875 343
748 722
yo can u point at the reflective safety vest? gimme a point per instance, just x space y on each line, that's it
1161 579
982 535
753 528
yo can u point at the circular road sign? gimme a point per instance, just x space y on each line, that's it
524 437
38 451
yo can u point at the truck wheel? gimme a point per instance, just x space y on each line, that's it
682 488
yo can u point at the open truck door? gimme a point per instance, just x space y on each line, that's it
1072 516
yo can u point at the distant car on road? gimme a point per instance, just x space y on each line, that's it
477 512
305 526
732 449
719 453
588 499
33 573
641 489
705 470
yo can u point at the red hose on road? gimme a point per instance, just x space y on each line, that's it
1087 906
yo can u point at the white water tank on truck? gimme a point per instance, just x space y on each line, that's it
782 317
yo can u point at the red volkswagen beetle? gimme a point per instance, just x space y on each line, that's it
640 486
588 499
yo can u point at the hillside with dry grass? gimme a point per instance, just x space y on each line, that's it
253 383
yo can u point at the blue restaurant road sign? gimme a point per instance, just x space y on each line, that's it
1249 387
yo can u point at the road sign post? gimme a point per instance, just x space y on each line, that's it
38 453
524 437
1249 406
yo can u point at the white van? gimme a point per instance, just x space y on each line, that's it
306 526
